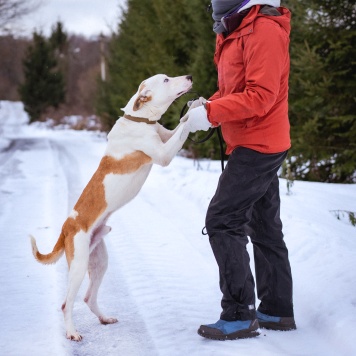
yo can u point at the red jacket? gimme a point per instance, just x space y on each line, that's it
251 104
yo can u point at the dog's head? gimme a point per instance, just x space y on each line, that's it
156 94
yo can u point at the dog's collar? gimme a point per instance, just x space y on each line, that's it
139 119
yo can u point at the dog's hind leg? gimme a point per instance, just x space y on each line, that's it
98 235
77 270
98 263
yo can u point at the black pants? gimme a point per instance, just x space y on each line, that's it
247 203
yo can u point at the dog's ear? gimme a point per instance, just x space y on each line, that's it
143 97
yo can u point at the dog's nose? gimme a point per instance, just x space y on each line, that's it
189 77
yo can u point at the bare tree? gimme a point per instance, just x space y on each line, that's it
12 10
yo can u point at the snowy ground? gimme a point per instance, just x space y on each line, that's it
162 281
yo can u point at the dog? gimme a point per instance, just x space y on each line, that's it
135 143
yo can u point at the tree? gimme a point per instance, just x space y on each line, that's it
322 90
127 65
44 85
12 51
58 43
59 39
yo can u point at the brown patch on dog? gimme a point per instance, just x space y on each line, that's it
69 229
91 204
141 99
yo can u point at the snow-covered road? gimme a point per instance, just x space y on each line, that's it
162 280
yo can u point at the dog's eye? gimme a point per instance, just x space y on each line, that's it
166 80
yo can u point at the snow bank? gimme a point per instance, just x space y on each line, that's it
12 118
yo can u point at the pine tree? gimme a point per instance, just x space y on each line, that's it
43 86
59 44
59 39
127 66
322 90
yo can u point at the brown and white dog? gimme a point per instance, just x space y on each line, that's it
135 142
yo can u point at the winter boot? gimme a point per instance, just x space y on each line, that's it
276 322
230 330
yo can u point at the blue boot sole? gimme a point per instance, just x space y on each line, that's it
215 334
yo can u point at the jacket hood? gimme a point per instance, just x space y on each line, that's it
283 20
247 4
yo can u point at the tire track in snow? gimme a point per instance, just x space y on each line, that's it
23 180
15 145
69 163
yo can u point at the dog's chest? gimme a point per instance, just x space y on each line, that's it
120 189
125 179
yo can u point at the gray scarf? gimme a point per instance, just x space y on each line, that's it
222 8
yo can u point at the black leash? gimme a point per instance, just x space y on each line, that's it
208 136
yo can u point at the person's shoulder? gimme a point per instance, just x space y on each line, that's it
266 25
270 21
266 21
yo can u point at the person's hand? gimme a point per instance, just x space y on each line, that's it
195 120
192 104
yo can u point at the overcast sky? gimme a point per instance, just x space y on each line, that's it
87 17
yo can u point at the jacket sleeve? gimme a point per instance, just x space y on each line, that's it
215 96
265 57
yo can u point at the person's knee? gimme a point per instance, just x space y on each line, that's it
212 222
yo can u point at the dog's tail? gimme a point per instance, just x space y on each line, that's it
52 257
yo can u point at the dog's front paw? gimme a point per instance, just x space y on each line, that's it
104 320
74 336
184 118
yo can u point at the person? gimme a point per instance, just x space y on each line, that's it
251 106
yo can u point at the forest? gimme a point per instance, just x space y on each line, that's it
73 75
